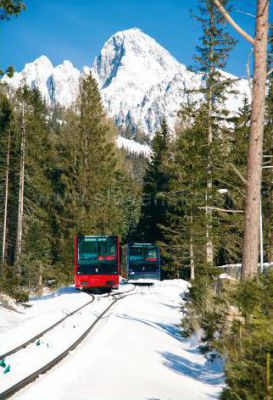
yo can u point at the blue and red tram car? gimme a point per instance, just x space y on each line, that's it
143 261
96 262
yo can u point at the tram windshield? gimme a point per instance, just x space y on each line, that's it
96 249
143 253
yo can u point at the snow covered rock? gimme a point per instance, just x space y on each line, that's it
58 85
140 81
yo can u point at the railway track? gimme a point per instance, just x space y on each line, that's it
42 333
6 394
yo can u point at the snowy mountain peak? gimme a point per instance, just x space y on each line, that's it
133 54
56 84
42 61
140 81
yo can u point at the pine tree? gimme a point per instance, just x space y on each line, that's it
35 189
233 175
267 172
90 177
5 139
247 343
153 209
213 52
9 8
202 148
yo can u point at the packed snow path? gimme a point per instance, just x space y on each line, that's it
135 353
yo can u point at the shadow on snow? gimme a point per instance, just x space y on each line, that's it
207 373
169 329
210 373
59 292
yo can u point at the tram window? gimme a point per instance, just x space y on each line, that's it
112 249
151 253
106 247
136 253
87 249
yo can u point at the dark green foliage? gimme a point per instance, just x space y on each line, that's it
20 295
136 135
10 7
9 71
6 116
75 181
236 322
36 245
232 177
267 173
235 318
199 160
248 343
155 181
213 51
95 193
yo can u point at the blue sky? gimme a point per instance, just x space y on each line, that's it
77 29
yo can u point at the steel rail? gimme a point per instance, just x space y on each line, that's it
40 334
32 377
25 344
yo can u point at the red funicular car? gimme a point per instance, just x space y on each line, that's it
96 262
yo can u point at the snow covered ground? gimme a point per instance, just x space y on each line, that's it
134 353
134 147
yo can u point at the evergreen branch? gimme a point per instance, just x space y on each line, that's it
233 23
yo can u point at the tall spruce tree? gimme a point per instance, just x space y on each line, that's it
5 143
90 178
202 148
8 8
155 181
213 52
267 171
184 244
33 227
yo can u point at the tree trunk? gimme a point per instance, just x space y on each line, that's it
40 280
209 246
255 151
191 254
270 246
5 207
21 194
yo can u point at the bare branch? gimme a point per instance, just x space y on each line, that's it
224 210
235 169
233 23
269 72
248 73
246 13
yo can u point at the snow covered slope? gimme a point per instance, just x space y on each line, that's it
140 82
133 146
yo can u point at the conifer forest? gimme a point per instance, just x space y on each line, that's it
203 194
